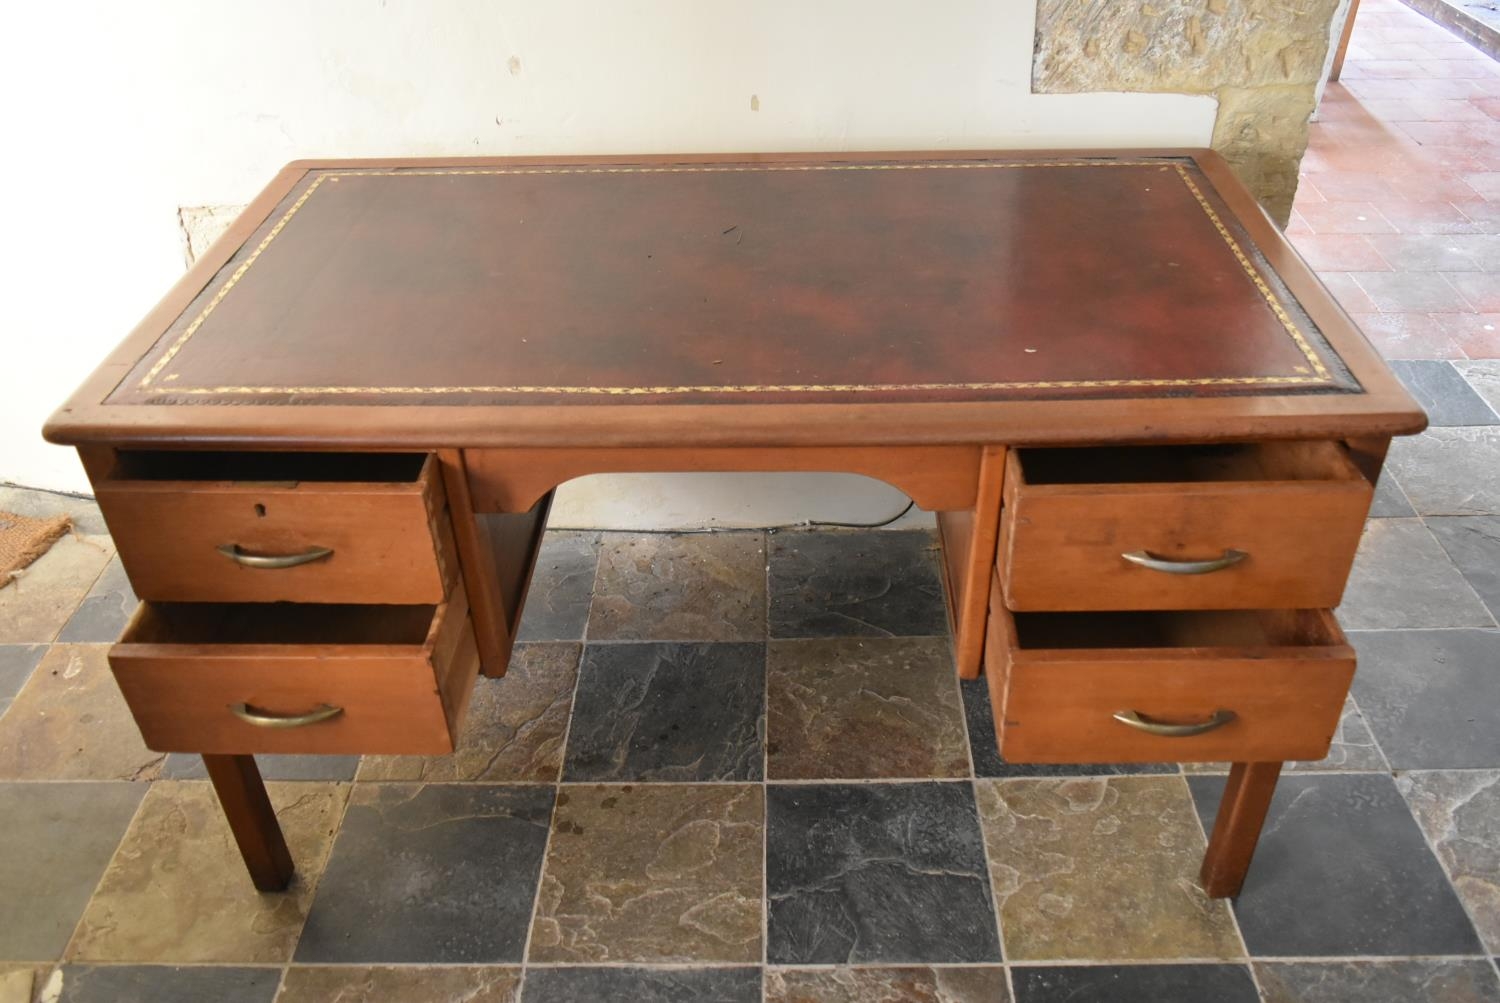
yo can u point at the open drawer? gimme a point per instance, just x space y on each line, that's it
1236 526
279 677
1243 686
280 527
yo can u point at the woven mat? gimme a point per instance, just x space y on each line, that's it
24 539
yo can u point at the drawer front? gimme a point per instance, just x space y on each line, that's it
1256 544
391 698
1060 706
385 542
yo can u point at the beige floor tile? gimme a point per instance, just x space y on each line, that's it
415 984
22 983
669 873
1459 811
70 723
36 605
1100 869
177 890
857 708
514 729
701 587
915 984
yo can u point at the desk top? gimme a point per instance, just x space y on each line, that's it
722 299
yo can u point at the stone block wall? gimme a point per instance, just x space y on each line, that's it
1262 59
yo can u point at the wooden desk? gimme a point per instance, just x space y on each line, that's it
1149 433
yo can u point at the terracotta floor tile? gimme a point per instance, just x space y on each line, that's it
1431 186
1476 334
1341 252
1345 217
1432 252
1411 292
1407 216
1480 291
1348 292
1411 335
1347 186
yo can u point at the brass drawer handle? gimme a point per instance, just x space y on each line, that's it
238 556
1145 560
1218 719
322 712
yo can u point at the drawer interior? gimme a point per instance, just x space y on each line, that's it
1248 461
1176 629
174 465
280 623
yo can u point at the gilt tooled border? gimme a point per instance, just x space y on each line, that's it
1322 374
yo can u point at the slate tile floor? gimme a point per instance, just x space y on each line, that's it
737 767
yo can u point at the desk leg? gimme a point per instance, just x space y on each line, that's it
242 794
1242 812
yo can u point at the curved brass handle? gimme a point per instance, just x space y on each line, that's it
1145 560
238 556
322 712
1218 719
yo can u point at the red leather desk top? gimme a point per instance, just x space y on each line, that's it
871 281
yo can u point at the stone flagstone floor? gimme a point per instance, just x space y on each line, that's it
738 766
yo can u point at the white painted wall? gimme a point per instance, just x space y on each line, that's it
118 113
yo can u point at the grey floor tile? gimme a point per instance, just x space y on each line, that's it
1443 393
1450 471
1403 578
104 612
1342 870
988 762
1432 697
166 984
642 985
55 842
1369 981
1473 544
664 711
404 984
1135 984
904 984
435 874
1459 812
557 603
694 587
189 766
856 584
1484 376
882 873
16 664
1390 501
43 504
